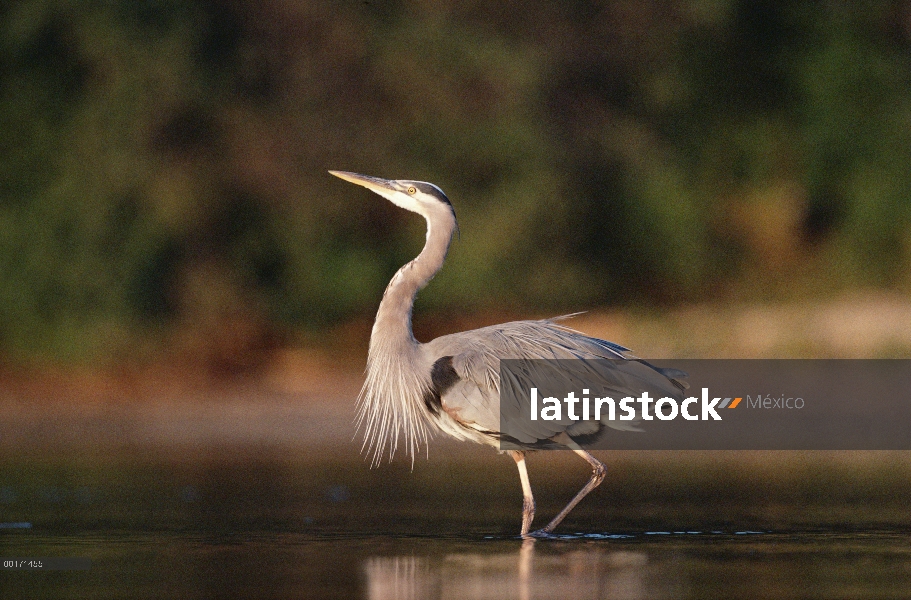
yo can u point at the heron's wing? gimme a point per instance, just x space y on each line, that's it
473 400
474 394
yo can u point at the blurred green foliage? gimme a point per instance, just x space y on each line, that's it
162 162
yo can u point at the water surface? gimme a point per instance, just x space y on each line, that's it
269 523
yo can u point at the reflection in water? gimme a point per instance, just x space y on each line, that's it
401 577
526 574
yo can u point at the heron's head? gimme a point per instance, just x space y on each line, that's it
418 196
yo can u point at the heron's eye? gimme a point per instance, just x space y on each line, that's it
412 190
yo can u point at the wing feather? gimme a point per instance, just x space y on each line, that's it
475 358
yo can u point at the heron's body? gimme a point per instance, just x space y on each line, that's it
451 384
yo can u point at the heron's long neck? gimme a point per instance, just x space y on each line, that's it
393 318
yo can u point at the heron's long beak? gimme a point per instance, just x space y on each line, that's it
374 184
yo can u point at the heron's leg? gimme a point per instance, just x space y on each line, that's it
598 472
528 503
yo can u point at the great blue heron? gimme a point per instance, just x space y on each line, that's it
451 384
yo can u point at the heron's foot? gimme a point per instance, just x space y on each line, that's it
543 533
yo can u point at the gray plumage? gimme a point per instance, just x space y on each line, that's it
451 384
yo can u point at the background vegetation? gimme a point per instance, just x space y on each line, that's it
163 163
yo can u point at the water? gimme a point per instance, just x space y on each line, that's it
270 523
302 565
